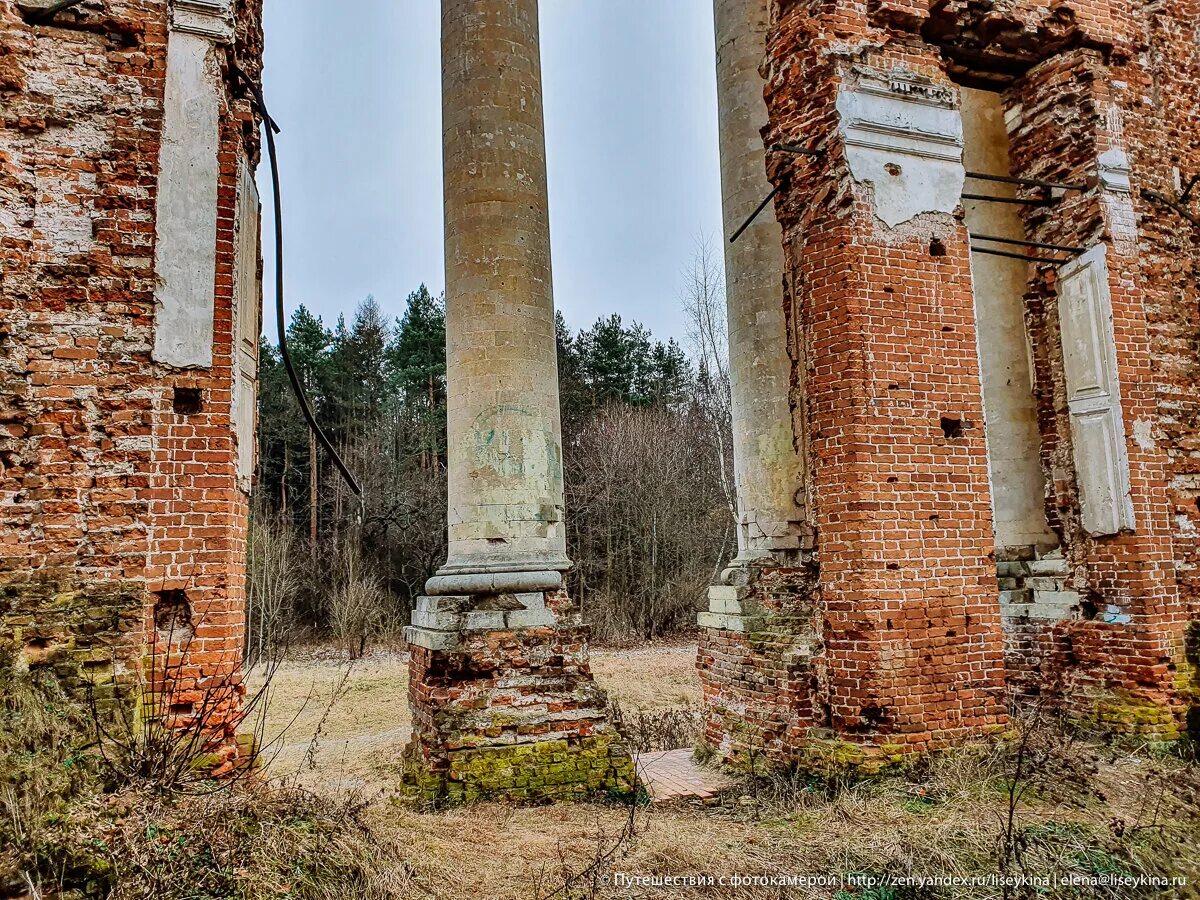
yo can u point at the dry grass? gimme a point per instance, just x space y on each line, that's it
1124 813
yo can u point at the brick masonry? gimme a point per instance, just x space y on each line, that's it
504 709
122 516
879 292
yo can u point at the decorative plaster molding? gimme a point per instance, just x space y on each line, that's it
1115 172
905 136
212 19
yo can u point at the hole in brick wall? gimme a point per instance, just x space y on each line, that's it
889 621
892 479
937 247
1198 504
38 651
951 427
893 170
188 401
1089 608
893 566
182 710
173 617
872 718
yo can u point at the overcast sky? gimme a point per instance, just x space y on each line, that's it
632 147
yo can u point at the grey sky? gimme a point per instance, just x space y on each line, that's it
632 146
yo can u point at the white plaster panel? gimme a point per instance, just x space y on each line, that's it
1093 394
905 138
1117 194
248 309
186 251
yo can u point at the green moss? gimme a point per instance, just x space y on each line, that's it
1126 713
79 632
593 766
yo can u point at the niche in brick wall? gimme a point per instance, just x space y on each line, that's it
187 401
1005 355
173 617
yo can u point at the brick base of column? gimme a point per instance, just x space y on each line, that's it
755 661
505 707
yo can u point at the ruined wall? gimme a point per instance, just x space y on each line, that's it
880 269
755 666
879 277
122 515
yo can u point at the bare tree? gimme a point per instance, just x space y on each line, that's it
703 302
649 521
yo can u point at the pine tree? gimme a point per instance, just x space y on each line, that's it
417 360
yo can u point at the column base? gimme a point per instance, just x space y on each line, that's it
757 646
505 706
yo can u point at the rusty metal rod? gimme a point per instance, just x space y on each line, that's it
1021 256
1167 201
1027 182
1015 201
1187 191
1061 248
796 148
754 215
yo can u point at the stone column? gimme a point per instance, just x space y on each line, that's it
505 443
769 468
767 588
503 700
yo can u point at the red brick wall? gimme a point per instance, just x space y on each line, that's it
109 499
911 632
1073 109
911 643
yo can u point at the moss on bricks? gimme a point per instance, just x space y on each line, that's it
595 766
88 635
1126 713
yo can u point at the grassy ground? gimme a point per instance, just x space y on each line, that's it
1085 809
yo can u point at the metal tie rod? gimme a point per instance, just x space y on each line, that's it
754 215
1021 256
1061 248
1015 201
1027 182
797 149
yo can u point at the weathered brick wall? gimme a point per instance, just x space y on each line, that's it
117 494
1164 130
882 314
759 684
1120 659
911 634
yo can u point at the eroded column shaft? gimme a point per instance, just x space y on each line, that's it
769 468
505 448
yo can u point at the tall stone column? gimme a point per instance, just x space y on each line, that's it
503 700
505 442
769 466
766 591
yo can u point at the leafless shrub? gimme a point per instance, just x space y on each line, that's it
274 579
360 609
645 730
